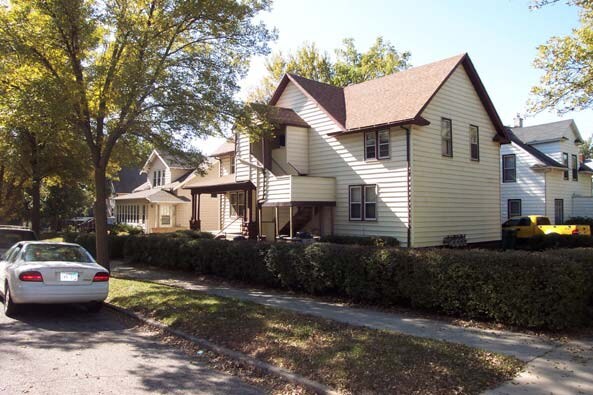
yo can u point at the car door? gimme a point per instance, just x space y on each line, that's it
5 264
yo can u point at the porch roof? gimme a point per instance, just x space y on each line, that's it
221 184
153 196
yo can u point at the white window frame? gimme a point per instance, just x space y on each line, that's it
232 168
360 191
166 210
370 141
366 202
375 141
510 211
236 203
446 142
514 168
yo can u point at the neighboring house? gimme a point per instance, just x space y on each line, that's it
160 204
128 179
412 155
541 173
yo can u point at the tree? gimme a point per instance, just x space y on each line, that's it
567 63
349 67
586 149
163 70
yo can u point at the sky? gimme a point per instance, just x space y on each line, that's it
501 37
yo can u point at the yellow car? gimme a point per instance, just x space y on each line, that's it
533 225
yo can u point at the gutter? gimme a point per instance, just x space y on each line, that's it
409 184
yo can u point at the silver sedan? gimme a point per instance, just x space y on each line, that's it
48 273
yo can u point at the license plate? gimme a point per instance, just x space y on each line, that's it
68 276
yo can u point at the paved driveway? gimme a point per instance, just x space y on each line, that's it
65 350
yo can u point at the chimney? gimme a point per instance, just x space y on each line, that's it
518 121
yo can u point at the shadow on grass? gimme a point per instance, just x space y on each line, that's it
345 357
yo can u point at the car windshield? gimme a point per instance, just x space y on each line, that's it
512 222
9 237
543 221
55 252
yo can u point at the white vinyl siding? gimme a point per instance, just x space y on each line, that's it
297 148
243 158
344 159
448 195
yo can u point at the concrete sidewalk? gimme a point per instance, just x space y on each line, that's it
554 367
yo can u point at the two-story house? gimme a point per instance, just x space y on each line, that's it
160 204
542 173
412 155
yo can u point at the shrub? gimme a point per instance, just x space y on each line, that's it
126 229
579 221
116 244
546 242
377 241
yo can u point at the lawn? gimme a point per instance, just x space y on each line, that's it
347 358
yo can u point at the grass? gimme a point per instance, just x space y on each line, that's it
348 358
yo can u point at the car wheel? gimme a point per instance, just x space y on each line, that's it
94 307
10 308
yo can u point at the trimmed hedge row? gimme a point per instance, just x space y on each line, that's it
548 242
529 289
377 241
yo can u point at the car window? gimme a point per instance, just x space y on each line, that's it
9 237
525 221
55 252
14 254
511 222
7 254
543 221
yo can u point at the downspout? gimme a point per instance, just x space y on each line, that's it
409 186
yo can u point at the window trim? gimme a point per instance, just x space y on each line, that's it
556 201
477 159
566 163
509 201
514 168
444 154
377 145
232 166
239 203
362 202
575 167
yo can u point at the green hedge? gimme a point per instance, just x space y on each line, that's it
88 241
579 221
377 241
547 242
529 289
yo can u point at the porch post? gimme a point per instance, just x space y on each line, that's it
290 219
276 226
259 220
198 222
194 222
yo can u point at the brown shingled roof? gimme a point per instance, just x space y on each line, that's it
228 147
281 115
396 99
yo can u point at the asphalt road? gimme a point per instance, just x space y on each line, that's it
65 350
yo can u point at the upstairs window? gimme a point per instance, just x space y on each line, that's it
158 178
509 168
363 202
232 169
575 168
565 163
446 137
376 145
474 142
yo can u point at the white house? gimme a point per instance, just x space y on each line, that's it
412 155
541 173
160 204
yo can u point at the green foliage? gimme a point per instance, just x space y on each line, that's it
529 289
567 65
126 229
350 66
547 242
88 241
579 221
377 241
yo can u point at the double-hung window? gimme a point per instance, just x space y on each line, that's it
237 204
509 168
363 202
376 145
565 163
158 178
446 137
514 208
232 167
474 142
575 168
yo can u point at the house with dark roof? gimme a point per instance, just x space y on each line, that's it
158 202
414 155
543 174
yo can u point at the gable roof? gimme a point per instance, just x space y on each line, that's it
170 160
281 115
537 154
228 147
396 99
129 179
548 132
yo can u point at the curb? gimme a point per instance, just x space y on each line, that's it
266 367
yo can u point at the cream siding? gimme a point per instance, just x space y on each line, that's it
343 158
297 148
158 164
455 195
530 186
243 158
559 188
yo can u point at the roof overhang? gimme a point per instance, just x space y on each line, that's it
416 121
226 187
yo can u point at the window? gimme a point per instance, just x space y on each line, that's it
237 204
474 142
376 145
565 163
363 202
558 211
575 168
158 178
233 164
165 215
446 137
514 208
509 168
131 214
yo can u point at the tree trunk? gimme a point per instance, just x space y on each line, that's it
36 210
101 217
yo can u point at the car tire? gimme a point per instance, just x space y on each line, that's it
94 307
10 308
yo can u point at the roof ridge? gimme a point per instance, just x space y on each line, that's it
546 123
316 81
